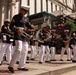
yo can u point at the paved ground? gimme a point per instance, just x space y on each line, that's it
52 68
39 69
70 73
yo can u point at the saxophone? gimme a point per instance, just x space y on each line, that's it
67 42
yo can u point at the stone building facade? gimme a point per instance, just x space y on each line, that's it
8 8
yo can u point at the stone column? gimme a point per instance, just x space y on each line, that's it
3 11
24 2
11 8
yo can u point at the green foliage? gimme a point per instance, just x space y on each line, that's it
71 25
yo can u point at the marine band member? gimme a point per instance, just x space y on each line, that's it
53 45
6 46
21 46
33 46
43 47
65 37
73 46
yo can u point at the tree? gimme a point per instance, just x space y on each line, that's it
71 26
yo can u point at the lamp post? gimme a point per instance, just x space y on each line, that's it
64 17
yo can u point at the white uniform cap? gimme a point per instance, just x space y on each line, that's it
25 7
53 30
66 30
6 20
73 33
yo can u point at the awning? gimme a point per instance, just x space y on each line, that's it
39 17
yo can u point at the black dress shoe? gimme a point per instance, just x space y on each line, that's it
68 59
27 57
40 62
47 61
53 60
61 59
11 69
7 63
0 64
17 62
23 69
27 62
74 61
32 59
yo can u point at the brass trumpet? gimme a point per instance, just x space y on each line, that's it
24 33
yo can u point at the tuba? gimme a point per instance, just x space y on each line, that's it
47 36
38 37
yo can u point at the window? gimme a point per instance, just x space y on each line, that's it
59 8
56 7
51 7
35 6
41 6
47 5
64 1
28 2
19 4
